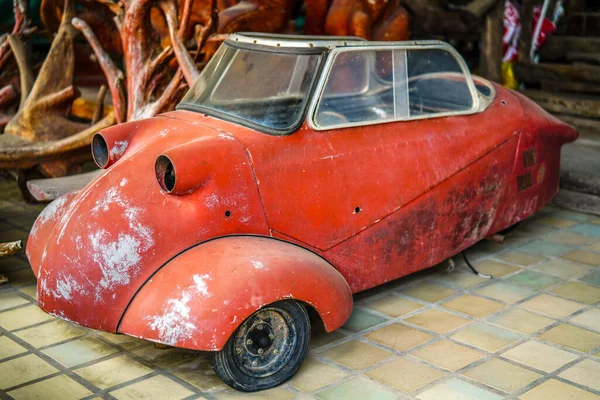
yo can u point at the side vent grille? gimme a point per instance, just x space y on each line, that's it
529 158
524 181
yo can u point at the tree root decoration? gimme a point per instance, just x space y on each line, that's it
44 114
369 19
114 76
28 155
10 248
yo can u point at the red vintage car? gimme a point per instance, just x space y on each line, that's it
294 173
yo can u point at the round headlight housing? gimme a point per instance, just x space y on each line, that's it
165 173
100 151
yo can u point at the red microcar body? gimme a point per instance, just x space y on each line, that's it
294 169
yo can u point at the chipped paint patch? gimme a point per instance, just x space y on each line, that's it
118 149
48 214
175 325
119 257
200 282
163 132
225 136
211 201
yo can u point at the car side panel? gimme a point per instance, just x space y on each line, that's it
313 183
438 224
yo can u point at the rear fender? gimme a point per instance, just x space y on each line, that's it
200 297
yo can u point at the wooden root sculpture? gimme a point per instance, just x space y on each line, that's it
42 132
12 57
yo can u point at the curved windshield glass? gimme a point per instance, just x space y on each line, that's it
263 88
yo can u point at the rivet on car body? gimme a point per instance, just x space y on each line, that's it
255 363
249 342
260 351
259 327
238 350
271 336
275 351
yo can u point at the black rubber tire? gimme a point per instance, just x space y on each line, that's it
224 362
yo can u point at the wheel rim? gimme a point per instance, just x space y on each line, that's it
265 342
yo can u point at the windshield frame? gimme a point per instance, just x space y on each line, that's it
323 56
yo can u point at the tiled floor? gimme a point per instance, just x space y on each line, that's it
532 332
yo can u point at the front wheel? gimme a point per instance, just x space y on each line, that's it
267 349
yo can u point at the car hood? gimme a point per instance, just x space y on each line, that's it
92 251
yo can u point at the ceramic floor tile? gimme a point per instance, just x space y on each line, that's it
533 280
556 222
314 375
579 292
60 387
23 369
404 375
157 387
399 337
361 320
30 291
456 389
495 268
583 257
356 389
356 355
522 321
520 258
430 292
50 333
200 374
165 358
547 249
79 351
22 317
114 371
502 375
587 229
460 279
568 238
506 292
562 213
10 300
270 394
486 337
9 348
437 321
590 319
448 355
585 373
540 356
321 338
572 337
474 306
593 246
393 306
561 268
592 278
127 342
557 390
552 306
